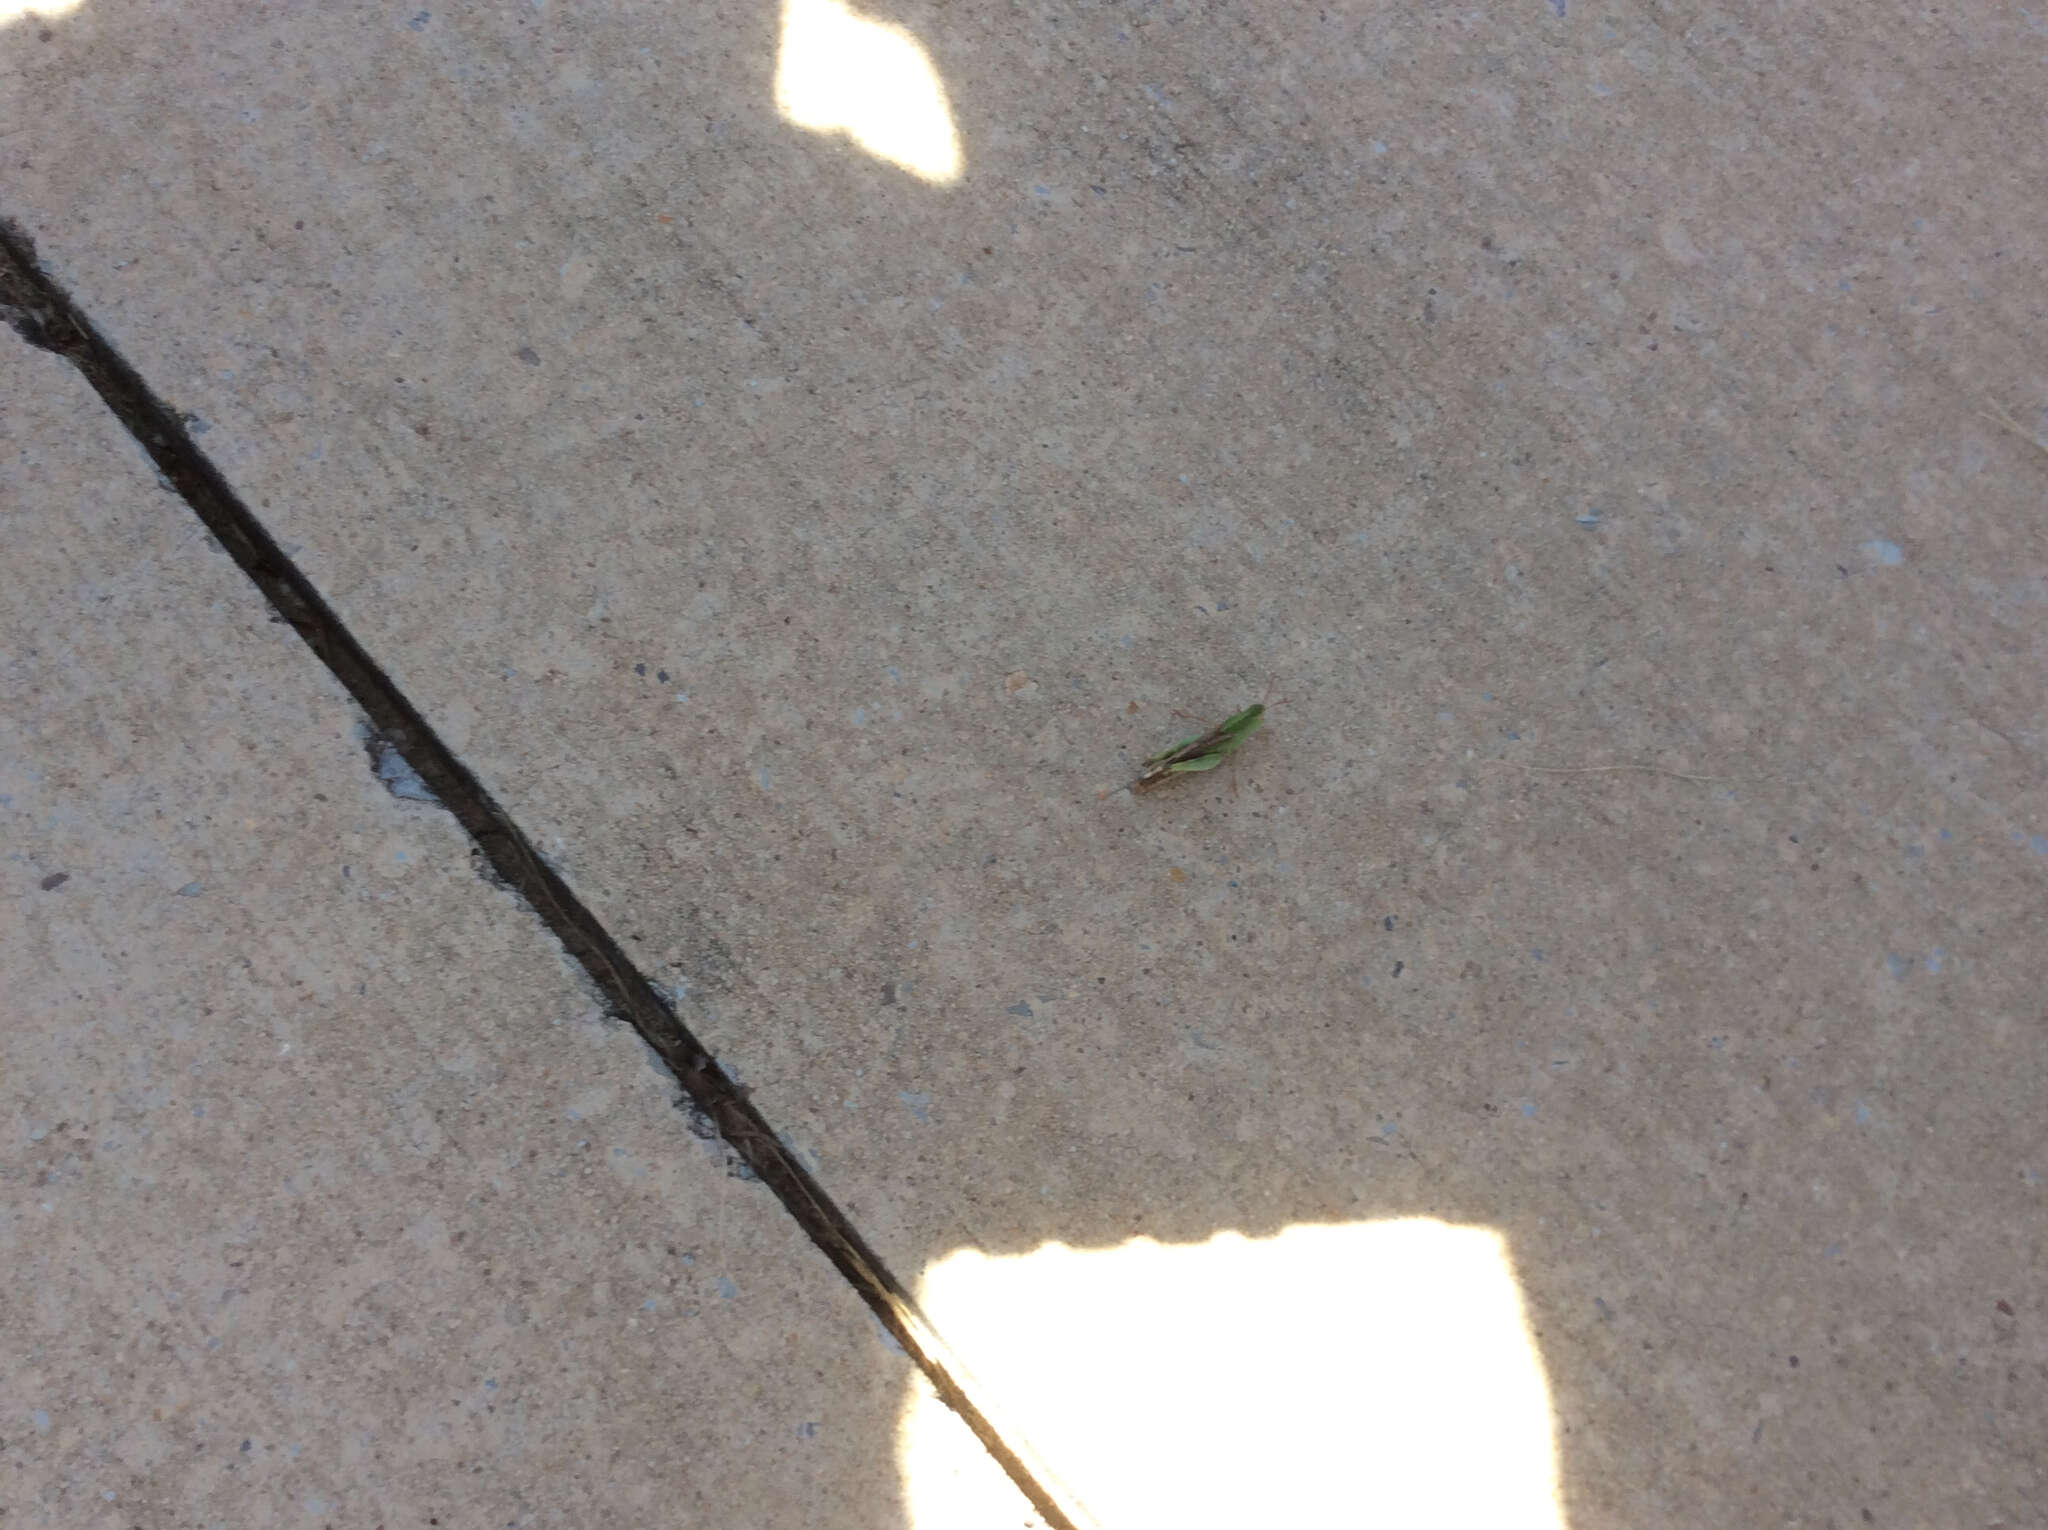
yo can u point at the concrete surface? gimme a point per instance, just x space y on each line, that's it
1604 429
326 1197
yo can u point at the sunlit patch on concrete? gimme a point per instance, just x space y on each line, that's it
36 10
840 72
1377 1373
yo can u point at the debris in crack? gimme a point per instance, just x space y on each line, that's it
393 769
29 323
701 1124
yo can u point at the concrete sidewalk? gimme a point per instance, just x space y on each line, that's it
1611 439
329 1196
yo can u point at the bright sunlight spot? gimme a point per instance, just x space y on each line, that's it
839 72
42 10
1380 1373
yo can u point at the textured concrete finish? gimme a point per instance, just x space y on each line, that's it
325 1198
1603 428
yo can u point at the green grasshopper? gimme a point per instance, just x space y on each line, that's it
1203 752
